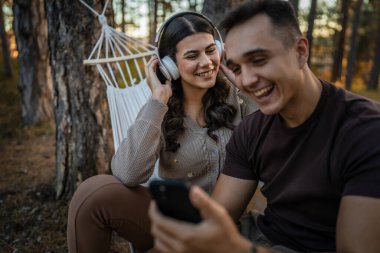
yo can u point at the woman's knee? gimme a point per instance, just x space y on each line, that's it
93 190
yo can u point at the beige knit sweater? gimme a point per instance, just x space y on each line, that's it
198 160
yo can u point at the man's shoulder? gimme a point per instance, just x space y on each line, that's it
354 105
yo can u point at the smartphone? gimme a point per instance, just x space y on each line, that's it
172 198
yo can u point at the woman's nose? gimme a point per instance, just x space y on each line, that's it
204 60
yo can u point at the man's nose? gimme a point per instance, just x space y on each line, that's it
248 77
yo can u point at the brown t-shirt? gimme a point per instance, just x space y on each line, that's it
307 169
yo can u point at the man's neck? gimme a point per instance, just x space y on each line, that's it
299 110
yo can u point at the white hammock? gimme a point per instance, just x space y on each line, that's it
120 61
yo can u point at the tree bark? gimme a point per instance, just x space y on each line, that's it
375 70
216 10
30 27
310 27
153 7
193 5
336 71
4 44
353 44
122 15
83 136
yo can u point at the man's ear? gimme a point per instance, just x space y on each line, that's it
302 48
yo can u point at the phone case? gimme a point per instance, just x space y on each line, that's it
172 198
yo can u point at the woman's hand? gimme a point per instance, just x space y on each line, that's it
161 92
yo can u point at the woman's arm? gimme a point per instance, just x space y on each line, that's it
134 160
133 163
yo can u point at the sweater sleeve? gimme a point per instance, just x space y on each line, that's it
133 163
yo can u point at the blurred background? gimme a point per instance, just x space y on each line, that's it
54 118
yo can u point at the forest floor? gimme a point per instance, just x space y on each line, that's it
31 220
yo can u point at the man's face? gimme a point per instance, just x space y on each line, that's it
266 70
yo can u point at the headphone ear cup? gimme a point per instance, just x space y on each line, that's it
219 47
170 67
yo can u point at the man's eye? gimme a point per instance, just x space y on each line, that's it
235 70
259 60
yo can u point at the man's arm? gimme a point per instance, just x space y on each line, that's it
358 226
234 194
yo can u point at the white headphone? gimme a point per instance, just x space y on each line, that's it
167 65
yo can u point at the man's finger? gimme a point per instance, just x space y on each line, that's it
228 74
208 207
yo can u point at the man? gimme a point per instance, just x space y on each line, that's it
316 147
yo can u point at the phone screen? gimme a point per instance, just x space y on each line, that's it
172 198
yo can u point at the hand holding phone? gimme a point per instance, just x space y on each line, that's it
172 198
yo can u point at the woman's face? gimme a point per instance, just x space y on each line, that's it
197 61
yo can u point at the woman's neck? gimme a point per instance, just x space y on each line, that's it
193 107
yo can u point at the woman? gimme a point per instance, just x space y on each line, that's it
186 125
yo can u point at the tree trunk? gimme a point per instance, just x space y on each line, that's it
193 5
295 4
336 71
353 44
153 6
310 27
216 10
375 70
83 136
4 44
35 84
122 15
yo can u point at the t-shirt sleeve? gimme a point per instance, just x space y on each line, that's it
237 163
360 160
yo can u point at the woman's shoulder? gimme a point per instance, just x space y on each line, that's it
243 103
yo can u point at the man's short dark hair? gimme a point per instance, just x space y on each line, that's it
280 13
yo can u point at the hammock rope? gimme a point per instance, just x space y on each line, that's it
120 60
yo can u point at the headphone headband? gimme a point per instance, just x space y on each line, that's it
180 14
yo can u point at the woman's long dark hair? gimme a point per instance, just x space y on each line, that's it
217 112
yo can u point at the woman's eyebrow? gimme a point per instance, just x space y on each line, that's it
196 51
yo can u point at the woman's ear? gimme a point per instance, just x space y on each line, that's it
302 48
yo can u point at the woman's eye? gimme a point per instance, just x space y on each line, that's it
210 50
191 56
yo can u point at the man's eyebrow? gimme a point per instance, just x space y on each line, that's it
254 51
248 54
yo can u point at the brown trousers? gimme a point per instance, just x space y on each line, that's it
102 204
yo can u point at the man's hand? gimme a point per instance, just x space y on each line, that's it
216 233
229 75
